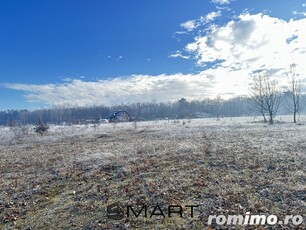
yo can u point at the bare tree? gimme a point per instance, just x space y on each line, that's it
218 103
257 95
266 95
295 102
272 97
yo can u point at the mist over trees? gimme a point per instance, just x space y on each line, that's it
180 109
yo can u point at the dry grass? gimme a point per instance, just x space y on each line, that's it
65 179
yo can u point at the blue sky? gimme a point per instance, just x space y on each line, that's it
73 52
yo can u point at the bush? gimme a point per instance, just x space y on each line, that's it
11 123
41 127
18 129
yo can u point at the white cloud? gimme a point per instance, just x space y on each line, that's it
299 13
221 1
119 58
179 54
252 43
211 16
67 79
137 88
189 25
180 32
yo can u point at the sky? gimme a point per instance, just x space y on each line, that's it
106 52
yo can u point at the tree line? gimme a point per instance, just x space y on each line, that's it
182 108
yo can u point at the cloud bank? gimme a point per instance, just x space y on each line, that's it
251 44
137 88
229 54
255 41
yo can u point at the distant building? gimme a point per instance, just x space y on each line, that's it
103 121
203 115
120 116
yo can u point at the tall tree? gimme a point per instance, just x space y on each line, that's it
218 103
257 95
295 102
266 94
183 108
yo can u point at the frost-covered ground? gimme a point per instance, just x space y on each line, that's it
66 178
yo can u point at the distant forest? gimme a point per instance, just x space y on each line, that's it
239 106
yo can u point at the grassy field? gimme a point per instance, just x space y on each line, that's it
66 178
